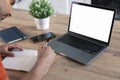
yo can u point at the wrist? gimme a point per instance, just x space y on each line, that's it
46 58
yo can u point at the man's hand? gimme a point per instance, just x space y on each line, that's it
46 57
46 53
7 48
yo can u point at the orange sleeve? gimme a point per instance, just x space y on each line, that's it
3 73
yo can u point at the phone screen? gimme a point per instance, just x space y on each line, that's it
42 37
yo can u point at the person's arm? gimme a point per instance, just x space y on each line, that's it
45 60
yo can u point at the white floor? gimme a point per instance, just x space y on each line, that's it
60 6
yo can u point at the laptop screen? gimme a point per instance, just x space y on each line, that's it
91 21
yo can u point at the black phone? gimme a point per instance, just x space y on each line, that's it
42 37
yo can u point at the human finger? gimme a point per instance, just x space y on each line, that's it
15 46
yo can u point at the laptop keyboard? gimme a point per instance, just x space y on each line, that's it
86 46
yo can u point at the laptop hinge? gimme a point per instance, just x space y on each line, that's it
88 39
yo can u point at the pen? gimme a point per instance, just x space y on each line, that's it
46 43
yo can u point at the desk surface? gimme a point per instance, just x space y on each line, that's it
105 67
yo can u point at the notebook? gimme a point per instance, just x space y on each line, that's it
23 60
89 32
12 34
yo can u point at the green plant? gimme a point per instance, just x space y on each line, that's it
41 8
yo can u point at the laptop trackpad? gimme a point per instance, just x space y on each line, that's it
73 53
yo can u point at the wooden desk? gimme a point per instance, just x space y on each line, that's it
105 67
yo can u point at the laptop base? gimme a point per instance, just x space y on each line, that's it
72 52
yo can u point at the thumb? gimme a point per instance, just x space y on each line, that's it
10 54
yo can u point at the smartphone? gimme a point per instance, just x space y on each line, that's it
42 37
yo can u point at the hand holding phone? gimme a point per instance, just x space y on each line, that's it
46 36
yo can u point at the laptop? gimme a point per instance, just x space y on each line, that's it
89 32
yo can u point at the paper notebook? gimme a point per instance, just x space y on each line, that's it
23 60
12 34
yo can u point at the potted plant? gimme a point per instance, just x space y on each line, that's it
41 10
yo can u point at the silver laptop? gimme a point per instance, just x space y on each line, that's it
89 32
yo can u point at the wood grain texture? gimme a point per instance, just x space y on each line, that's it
105 67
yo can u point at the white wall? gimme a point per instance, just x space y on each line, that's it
60 6
24 4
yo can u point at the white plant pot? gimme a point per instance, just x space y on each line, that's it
42 24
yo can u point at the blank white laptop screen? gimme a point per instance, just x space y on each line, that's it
92 22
